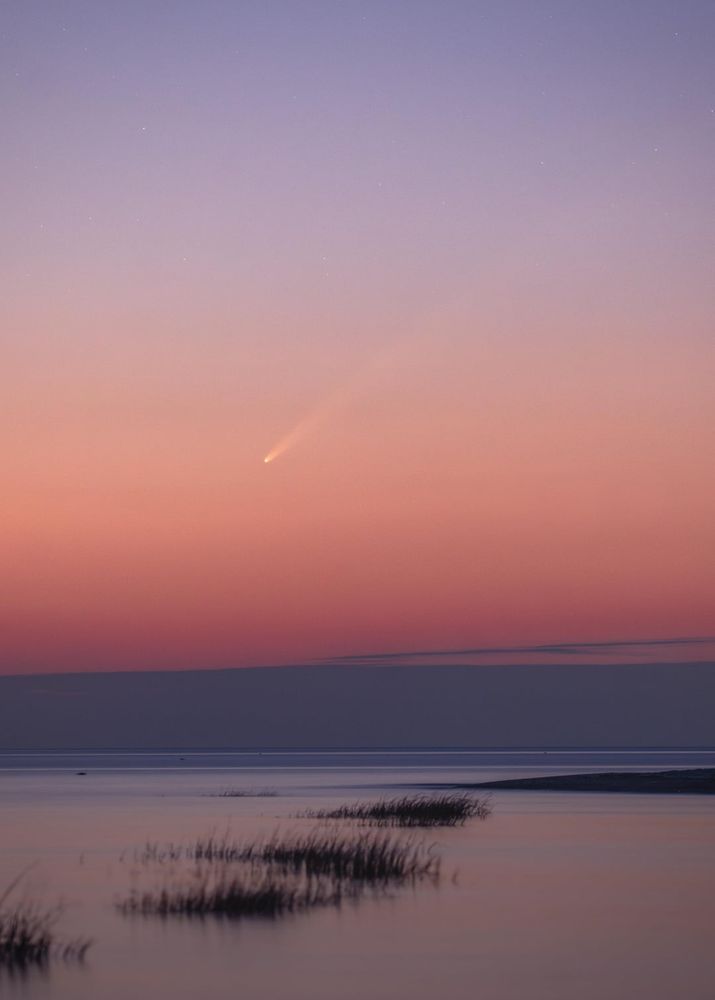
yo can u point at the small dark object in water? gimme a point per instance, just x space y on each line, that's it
80 772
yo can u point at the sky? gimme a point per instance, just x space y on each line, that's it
447 265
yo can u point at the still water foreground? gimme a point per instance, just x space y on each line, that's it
555 895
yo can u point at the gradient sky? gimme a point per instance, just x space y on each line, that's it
466 247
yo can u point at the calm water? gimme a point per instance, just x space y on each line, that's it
556 896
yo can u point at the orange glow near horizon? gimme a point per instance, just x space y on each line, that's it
489 504
199 284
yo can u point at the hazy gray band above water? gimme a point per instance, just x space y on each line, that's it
664 705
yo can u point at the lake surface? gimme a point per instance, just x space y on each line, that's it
555 896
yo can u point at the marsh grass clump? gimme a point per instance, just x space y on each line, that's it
154 853
27 935
368 858
227 893
448 809
243 793
282 874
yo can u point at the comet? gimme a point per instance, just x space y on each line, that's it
333 403
308 424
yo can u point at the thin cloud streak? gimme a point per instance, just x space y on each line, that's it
633 646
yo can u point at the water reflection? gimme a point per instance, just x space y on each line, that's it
558 895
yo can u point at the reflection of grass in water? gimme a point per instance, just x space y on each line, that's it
282 874
448 809
222 892
27 935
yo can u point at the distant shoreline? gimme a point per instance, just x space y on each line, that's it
686 781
